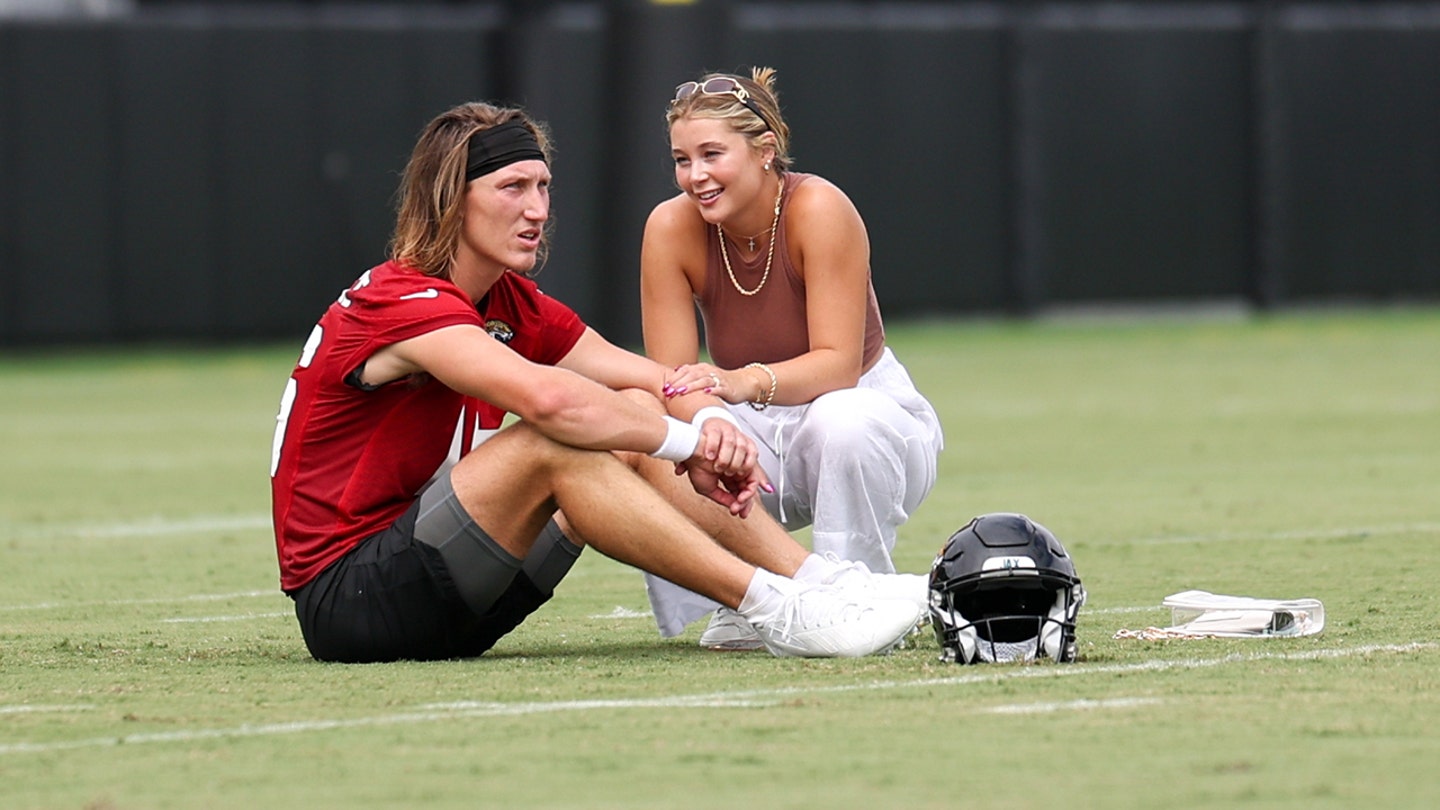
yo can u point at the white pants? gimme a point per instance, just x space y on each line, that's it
852 464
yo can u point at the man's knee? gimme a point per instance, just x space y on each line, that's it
522 457
521 445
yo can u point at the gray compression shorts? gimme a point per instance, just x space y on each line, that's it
480 568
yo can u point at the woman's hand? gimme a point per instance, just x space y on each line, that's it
734 387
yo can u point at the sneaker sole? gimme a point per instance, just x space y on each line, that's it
735 646
913 634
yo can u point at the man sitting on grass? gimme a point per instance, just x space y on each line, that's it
410 526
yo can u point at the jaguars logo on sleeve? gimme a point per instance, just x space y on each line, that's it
500 330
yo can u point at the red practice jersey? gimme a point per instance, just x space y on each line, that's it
347 461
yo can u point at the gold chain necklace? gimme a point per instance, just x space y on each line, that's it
769 257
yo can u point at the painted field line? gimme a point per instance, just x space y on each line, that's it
753 698
1072 670
31 708
1071 706
622 613
1102 611
243 617
214 523
159 600
1298 534
404 718
149 528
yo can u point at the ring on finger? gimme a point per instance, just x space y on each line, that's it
714 380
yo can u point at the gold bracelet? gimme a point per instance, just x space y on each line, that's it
769 396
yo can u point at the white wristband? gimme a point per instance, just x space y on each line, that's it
681 439
715 412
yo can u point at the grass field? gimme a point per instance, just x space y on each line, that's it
147 659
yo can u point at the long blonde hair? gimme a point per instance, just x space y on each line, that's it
430 211
753 124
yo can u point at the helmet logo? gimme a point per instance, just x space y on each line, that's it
1007 563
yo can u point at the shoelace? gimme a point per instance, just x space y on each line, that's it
795 613
847 568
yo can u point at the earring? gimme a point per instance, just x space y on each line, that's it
767 165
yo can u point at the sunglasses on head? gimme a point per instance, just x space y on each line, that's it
719 86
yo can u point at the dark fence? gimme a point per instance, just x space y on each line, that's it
221 172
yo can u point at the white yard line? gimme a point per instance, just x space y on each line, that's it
1071 706
243 617
30 708
442 712
159 600
147 528
214 523
622 613
1298 534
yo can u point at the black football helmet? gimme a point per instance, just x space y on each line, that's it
1004 589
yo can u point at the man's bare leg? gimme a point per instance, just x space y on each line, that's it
757 538
513 483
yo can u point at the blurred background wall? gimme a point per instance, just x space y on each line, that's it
221 170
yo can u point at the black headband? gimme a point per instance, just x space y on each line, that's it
499 146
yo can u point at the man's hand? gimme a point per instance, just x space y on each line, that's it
732 492
725 467
725 448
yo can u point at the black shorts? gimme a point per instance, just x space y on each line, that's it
392 598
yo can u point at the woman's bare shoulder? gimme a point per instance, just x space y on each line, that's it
818 193
674 216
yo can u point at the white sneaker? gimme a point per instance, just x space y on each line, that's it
910 587
728 631
826 622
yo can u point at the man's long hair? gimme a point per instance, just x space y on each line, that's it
430 211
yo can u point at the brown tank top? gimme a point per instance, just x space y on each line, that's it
769 326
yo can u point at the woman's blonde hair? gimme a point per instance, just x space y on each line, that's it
430 209
753 121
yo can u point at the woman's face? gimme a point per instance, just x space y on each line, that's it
715 167
505 214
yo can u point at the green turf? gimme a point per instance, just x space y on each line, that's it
147 660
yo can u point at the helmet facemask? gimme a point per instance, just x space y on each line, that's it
1010 621
1003 589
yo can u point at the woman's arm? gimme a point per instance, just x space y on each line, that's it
672 266
831 253
613 367
722 442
